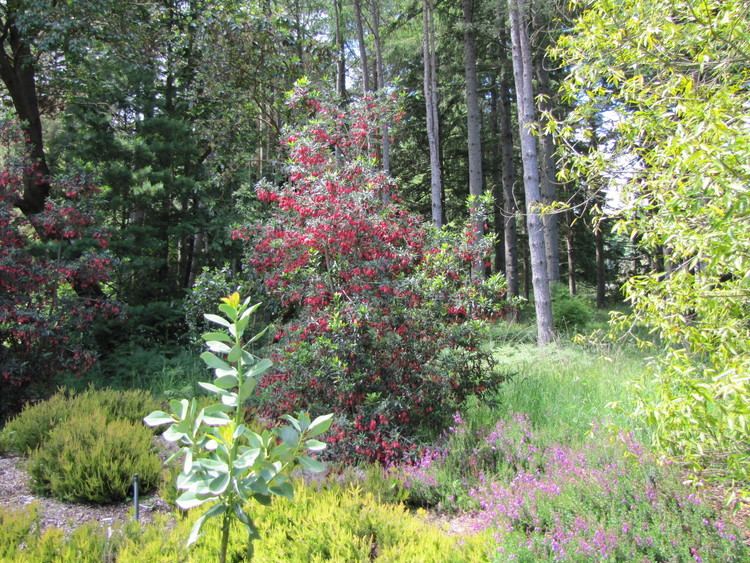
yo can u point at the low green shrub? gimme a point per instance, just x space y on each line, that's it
570 312
32 425
30 428
16 528
22 541
90 458
330 524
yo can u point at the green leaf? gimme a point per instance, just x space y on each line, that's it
217 335
219 347
219 484
241 325
289 435
213 388
189 499
312 465
249 311
265 500
247 388
216 419
260 368
188 465
180 408
293 421
217 320
213 361
320 425
258 336
229 311
230 399
247 459
171 434
226 381
283 489
315 445
212 512
235 353
157 418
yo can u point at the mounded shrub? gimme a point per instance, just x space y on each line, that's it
30 428
570 312
90 458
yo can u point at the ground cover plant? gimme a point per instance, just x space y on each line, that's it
551 469
325 522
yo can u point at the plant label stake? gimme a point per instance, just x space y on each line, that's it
135 498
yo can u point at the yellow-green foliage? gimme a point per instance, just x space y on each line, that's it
328 525
16 527
89 458
331 524
22 542
26 431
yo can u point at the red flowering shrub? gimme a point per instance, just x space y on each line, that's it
51 268
378 307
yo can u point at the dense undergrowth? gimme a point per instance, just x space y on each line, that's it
542 468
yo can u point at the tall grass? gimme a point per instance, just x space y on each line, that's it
565 388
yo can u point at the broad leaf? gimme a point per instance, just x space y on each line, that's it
217 335
158 418
213 388
212 512
315 445
217 320
320 425
189 500
312 465
213 361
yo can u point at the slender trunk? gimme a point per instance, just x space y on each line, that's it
474 122
522 69
497 181
549 182
601 287
341 56
380 85
431 110
509 168
526 273
569 239
362 46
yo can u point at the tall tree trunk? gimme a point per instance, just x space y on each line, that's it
474 121
569 239
341 54
366 85
18 75
497 180
601 282
380 85
429 61
549 181
522 69
509 168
